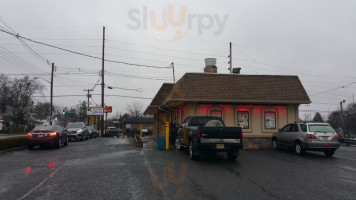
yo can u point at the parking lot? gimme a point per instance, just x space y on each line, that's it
112 168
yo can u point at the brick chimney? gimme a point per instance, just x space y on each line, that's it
210 65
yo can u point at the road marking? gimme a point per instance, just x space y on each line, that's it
39 185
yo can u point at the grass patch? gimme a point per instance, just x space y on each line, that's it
12 142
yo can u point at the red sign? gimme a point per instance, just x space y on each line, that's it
108 109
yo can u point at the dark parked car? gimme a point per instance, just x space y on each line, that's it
77 130
307 137
113 131
93 133
47 134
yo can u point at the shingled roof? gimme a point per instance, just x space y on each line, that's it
233 88
239 88
160 97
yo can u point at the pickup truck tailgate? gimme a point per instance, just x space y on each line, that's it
220 134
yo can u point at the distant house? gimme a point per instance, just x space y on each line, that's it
135 123
259 104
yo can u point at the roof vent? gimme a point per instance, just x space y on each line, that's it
236 70
210 65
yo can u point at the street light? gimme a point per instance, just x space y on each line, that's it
51 101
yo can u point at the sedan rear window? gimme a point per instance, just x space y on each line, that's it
43 127
321 128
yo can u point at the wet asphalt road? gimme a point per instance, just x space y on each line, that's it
112 168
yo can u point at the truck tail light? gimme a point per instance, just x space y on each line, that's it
311 136
198 134
53 134
29 134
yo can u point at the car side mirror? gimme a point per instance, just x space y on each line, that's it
279 130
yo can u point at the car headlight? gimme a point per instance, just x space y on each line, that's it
80 131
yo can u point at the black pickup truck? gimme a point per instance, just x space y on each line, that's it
208 134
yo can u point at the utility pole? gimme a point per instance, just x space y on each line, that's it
50 121
174 76
102 85
230 56
342 119
89 90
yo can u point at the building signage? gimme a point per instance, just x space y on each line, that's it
270 120
243 119
108 109
96 111
116 121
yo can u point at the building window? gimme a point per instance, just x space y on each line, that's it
270 120
217 113
243 119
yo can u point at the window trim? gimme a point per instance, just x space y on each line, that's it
217 108
263 127
248 109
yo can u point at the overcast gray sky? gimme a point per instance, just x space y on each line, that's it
314 39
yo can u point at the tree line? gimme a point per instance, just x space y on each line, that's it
340 121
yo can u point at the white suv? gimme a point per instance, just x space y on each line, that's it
307 136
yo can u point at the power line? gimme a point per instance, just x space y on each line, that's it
108 95
333 89
82 54
27 47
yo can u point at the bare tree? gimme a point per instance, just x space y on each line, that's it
21 90
42 110
307 116
135 109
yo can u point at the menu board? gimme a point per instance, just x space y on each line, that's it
243 119
270 120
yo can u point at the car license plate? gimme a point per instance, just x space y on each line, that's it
325 137
39 135
220 146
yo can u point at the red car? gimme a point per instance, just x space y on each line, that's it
47 134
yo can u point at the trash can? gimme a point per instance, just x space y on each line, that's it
161 143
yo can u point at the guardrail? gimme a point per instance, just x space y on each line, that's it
347 141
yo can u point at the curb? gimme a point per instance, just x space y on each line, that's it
12 149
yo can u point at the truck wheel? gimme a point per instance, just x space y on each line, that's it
191 151
177 144
232 155
329 152
30 147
